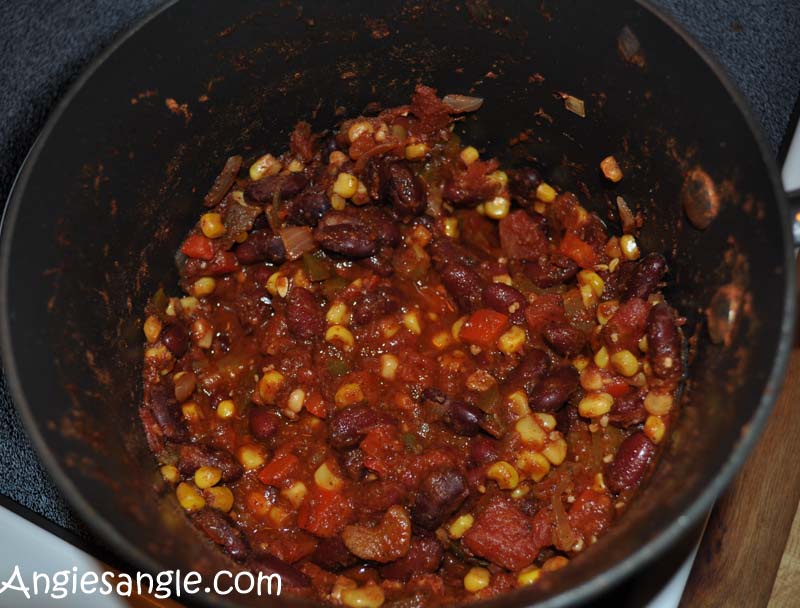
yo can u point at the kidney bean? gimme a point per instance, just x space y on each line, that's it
522 184
261 246
438 497
264 422
500 297
380 264
463 283
528 372
222 531
349 425
388 541
424 555
403 189
463 418
483 450
554 391
176 339
373 303
522 237
304 318
284 186
308 207
664 343
161 401
565 339
353 464
630 463
332 554
192 457
628 410
346 235
550 270
645 277
269 564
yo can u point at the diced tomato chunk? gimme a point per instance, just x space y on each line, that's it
580 252
502 534
324 513
544 309
618 387
380 447
624 330
484 327
521 237
198 246
278 470
224 262
590 514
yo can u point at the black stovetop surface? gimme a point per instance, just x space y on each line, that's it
46 44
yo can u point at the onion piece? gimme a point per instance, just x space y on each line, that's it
626 216
297 240
223 182
462 103
564 537
628 43
575 105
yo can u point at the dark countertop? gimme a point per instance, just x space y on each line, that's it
46 44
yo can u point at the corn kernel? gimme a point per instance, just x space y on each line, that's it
204 286
278 516
546 421
643 344
220 498
556 451
263 166
250 457
278 284
441 340
529 431
451 229
357 129
189 304
368 596
340 334
337 158
654 428
625 363
337 202
226 409
610 169
346 185
152 328
595 405
540 207
497 208
469 155
545 193
477 579
460 526
189 498
520 491
512 341
191 411
338 314
389 328
296 399
518 401
296 493
587 295
203 333
205 477
599 483
499 177
327 479
533 464
211 225
348 394
658 404
606 310
295 166
269 385
601 358
591 379
630 250
555 563
593 280
170 473
580 363
411 322
456 329
504 474
416 151
504 279
528 576
389 365
480 209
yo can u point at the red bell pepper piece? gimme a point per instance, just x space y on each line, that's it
198 246
484 327
278 470
580 252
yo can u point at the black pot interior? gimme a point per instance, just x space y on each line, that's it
118 178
